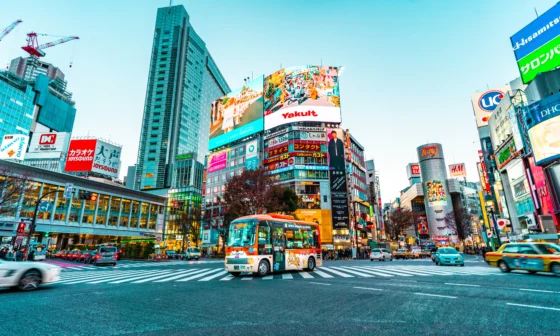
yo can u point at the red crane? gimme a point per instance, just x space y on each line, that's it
34 49
9 29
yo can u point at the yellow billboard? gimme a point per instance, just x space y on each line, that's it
321 217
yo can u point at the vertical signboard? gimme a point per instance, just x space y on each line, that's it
107 160
337 176
80 156
252 156
413 170
13 146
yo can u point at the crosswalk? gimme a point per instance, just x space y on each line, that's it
88 267
120 276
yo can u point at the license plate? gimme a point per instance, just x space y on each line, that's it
235 267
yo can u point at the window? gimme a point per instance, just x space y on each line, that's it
548 248
511 249
165 40
159 92
526 249
163 59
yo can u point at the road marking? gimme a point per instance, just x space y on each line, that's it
123 276
227 278
182 275
161 276
349 270
199 275
458 284
436 295
287 276
306 275
537 290
323 274
319 283
373 289
147 275
382 272
529 306
344 275
87 277
247 278
268 277
213 276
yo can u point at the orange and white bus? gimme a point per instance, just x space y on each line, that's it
262 244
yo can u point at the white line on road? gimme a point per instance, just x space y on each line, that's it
349 270
124 276
436 295
373 289
287 276
344 275
227 278
529 306
247 278
319 283
161 276
458 284
305 275
208 278
268 277
182 275
537 290
323 274
147 275
199 275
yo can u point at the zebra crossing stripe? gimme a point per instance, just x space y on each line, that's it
162 276
199 275
349 270
219 274
323 274
86 278
134 277
247 278
227 278
122 276
344 275
382 274
268 277
392 271
80 276
287 276
181 275
306 275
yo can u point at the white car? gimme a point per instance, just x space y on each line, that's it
380 254
27 275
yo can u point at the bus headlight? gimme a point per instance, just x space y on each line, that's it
250 260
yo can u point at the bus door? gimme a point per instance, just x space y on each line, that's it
278 248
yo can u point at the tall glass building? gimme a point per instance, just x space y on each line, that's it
16 105
182 83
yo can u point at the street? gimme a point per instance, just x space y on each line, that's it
404 297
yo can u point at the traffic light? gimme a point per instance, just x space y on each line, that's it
88 196
21 227
46 234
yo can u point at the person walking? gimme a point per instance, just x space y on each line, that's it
3 253
31 256
19 255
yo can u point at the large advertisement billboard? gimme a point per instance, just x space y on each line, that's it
93 155
13 146
107 160
48 145
537 46
237 115
337 176
217 162
413 170
457 170
544 129
484 103
303 93
321 217
435 192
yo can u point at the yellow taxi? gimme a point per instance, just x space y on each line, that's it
531 257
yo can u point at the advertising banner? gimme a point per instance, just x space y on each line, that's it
339 199
107 159
278 140
217 162
536 44
48 145
320 136
430 152
485 179
544 129
80 156
252 156
336 149
303 93
277 151
13 146
237 115
457 170
321 217
298 146
422 225
435 193
413 170
484 103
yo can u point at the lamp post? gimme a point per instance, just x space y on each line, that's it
34 218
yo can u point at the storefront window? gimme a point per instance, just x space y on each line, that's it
144 215
125 212
153 216
102 209
62 205
75 211
135 213
114 211
30 196
47 188
11 191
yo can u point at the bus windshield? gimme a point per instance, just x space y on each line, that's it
242 233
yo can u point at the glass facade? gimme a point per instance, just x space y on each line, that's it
56 111
183 80
16 105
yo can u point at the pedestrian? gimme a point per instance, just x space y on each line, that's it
19 255
10 256
3 253
31 256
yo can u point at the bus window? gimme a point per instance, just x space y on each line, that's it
264 234
242 233
294 238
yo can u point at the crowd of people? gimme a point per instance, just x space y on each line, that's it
14 254
345 254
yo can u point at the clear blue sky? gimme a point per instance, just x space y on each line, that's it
410 65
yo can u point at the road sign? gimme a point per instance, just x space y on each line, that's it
45 206
158 239
19 240
502 223
489 234
68 190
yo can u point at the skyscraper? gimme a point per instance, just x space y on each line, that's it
182 82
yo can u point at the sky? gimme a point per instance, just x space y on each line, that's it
410 66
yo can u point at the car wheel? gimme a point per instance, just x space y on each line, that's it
555 268
371 260
30 280
532 272
310 264
462 265
503 266
437 263
391 259
264 268
383 258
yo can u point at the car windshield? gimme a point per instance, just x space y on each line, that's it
107 250
548 248
448 251
242 233
194 250
376 251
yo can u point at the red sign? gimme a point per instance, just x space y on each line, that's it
80 155
486 179
422 225
47 139
430 151
277 151
415 169
307 147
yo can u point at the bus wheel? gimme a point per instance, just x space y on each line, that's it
263 269
310 264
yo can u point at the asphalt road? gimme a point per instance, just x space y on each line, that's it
411 297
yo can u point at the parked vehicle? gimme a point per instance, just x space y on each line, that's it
416 253
107 256
171 254
191 253
401 254
449 256
380 254
27 276
90 257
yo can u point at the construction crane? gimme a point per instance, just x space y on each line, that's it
34 49
9 29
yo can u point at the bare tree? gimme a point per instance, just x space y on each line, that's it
400 219
11 187
185 216
460 222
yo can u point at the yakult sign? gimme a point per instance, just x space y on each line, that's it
484 103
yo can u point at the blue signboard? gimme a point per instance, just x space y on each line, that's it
543 122
537 33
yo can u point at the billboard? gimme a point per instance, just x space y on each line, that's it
217 162
484 103
413 170
303 93
337 177
107 160
422 225
544 129
435 192
321 217
13 146
335 149
536 45
457 170
48 145
252 156
237 115
93 155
